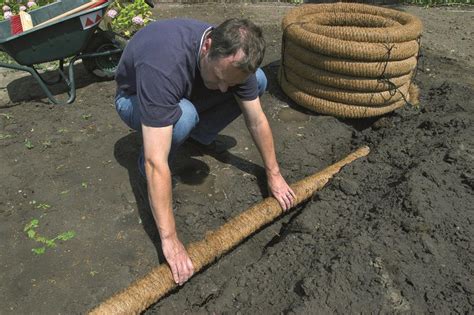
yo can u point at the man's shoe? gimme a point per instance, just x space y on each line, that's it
215 147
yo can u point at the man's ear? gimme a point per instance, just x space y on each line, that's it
206 46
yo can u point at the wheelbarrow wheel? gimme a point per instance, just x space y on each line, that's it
103 67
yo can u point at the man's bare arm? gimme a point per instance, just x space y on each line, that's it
261 132
157 144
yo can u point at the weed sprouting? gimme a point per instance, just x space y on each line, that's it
28 144
30 230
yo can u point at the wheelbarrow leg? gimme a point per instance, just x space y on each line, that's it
43 84
69 80
58 78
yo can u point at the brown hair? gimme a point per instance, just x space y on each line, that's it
235 34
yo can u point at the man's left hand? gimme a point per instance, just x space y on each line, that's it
281 191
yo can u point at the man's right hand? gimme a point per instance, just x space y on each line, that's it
157 144
178 259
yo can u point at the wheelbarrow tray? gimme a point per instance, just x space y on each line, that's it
53 41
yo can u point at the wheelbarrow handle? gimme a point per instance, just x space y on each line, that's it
70 12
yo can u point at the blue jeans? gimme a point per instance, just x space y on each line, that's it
217 110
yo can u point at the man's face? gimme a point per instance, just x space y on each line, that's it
220 74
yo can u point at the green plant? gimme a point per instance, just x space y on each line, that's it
43 206
38 251
30 230
28 144
13 7
5 58
126 17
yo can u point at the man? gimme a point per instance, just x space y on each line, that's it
183 78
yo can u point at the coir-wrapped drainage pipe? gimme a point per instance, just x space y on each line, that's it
348 59
148 290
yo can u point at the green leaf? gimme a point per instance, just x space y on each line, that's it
31 234
28 144
32 225
43 206
50 243
41 239
66 235
39 250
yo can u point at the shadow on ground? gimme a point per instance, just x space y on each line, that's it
27 89
186 169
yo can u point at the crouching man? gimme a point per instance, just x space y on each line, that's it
185 78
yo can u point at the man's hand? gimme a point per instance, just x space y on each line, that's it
259 128
281 191
178 259
157 144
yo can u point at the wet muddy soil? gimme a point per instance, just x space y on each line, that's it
392 233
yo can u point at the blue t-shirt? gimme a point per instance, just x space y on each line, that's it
160 66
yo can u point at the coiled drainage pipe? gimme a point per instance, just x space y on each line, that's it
348 59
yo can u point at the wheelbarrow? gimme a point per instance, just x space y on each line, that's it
76 36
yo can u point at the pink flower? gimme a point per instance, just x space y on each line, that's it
30 4
138 20
7 15
6 8
112 13
22 8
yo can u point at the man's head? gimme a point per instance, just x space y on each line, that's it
230 53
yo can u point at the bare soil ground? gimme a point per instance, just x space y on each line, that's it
392 233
